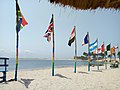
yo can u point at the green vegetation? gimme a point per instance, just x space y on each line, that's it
94 56
118 55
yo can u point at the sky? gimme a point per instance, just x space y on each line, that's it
100 23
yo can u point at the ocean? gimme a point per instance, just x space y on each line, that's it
42 64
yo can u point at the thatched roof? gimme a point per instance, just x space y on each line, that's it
88 4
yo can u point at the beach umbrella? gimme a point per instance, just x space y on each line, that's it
88 4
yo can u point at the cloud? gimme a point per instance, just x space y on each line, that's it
28 51
3 53
2 50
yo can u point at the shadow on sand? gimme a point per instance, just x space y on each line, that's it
26 82
61 76
97 70
6 82
83 72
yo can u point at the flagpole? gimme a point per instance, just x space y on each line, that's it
118 52
110 52
88 51
97 54
114 52
105 57
17 41
75 51
53 48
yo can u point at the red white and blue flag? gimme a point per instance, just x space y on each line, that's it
48 36
51 26
85 40
49 30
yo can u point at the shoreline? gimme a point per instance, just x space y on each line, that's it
42 64
47 68
46 59
37 59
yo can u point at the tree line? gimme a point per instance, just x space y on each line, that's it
94 56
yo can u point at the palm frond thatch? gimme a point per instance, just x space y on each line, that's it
88 4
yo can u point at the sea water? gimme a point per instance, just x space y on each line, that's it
42 64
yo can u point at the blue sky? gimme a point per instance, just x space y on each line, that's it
101 23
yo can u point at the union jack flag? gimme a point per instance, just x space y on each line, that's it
48 36
49 30
51 26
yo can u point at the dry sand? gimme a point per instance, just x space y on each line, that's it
64 79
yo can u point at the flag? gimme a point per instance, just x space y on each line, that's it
21 20
99 50
112 50
48 36
72 37
102 48
51 26
108 47
116 47
85 41
106 53
93 46
49 30
95 52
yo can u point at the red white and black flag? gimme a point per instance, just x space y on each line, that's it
72 37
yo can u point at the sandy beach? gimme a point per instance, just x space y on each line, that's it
64 79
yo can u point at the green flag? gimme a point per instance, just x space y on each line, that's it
108 47
105 52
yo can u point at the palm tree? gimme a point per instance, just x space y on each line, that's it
102 55
85 54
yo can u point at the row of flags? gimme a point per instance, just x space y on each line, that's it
93 47
107 51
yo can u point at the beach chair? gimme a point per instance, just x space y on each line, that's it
96 63
3 68
114 64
